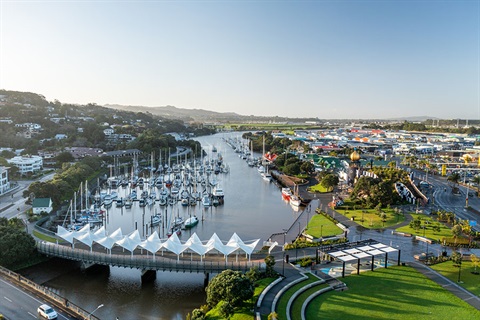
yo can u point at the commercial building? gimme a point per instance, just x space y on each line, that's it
4 183
27 164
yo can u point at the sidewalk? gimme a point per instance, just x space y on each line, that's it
291 274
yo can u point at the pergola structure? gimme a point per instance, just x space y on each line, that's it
153 243
351 252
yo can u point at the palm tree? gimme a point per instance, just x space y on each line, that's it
454 178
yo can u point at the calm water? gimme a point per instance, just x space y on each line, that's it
253 209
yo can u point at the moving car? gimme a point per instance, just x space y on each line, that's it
46 312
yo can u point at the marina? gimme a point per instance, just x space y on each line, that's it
252 208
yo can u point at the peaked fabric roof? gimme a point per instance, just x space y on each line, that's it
153 243
174 245
130 242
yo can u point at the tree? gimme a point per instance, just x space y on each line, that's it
7 154
197 314
16 245
454 178
230 286
307 167
416 223
475 261
273 316
329 181
456 231
253 274
64 157
457 258
269 263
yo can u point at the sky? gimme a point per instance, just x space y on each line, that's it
326 59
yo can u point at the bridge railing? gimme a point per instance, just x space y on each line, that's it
144 262
47 294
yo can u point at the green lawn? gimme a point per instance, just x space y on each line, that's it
393 293
319 188
369 217
245 312
428 231
44 237
298 302
468 280
319 226
283 301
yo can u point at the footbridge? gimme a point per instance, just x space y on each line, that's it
140 259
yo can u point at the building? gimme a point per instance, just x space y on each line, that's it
4 183
61 136
28 164
40 205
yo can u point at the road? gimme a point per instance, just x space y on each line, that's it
16 303
13 204
444 199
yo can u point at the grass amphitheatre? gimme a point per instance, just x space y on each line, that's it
392 293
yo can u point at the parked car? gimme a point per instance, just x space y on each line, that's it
47 312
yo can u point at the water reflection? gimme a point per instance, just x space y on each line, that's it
253 209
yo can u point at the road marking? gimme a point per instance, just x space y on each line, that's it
32 297
8 299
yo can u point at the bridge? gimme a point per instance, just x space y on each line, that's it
212 263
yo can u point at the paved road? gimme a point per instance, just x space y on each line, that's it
441 197
16 303
13 204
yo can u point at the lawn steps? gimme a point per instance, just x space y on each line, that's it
333 284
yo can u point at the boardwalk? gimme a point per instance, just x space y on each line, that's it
212 263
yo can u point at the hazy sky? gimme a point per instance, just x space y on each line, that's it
326 59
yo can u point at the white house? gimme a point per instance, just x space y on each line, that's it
108 131
40 205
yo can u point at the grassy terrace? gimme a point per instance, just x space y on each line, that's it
298 302
429 221
283 301
44 237
468 280
369 218
393 293
319 188
319 226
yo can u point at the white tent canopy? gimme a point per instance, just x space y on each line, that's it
153 243
130 242
109 241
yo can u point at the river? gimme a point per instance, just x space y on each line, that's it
253 209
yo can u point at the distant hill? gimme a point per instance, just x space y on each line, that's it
172 112
415 119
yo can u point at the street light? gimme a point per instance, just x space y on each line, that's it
283 260
90 315
459 267
296 244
